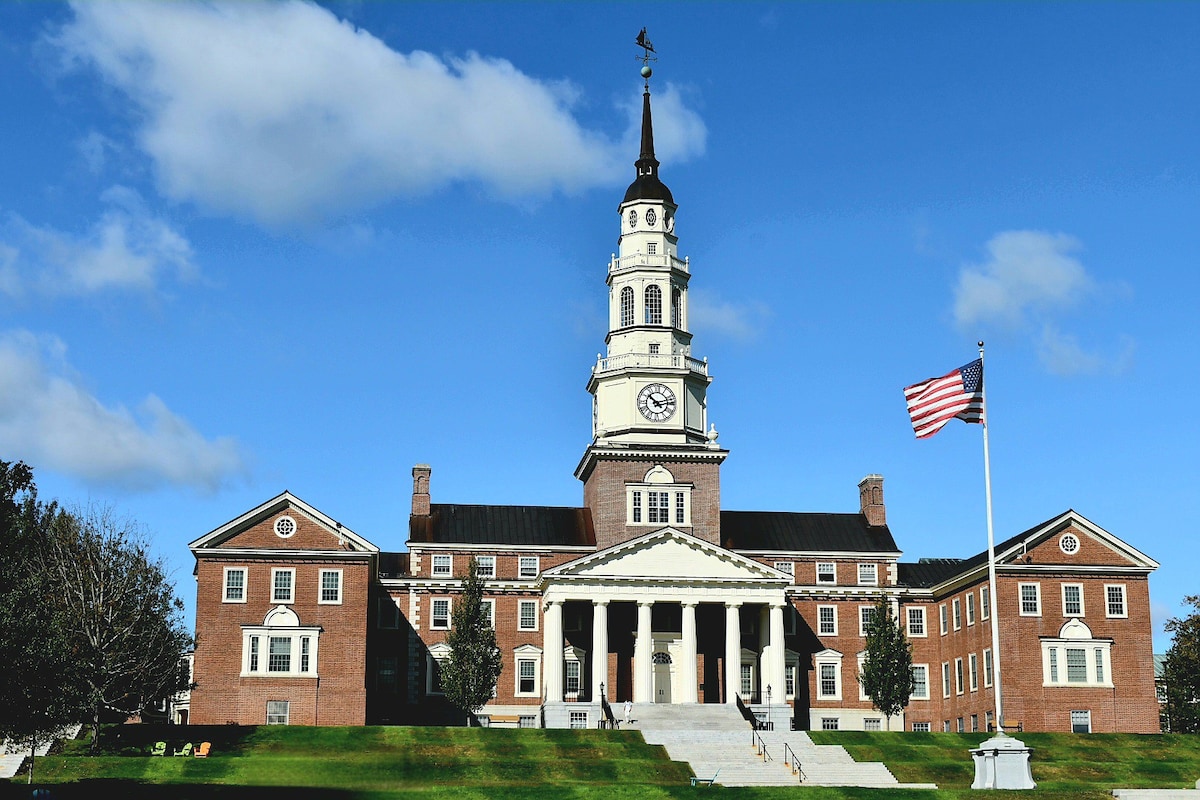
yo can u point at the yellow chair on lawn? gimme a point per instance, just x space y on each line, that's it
185 751
202 750
159 749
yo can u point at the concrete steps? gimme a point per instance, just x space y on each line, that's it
716 740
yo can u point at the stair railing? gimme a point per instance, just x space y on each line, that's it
792 761
756 741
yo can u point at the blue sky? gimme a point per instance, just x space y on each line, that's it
270 246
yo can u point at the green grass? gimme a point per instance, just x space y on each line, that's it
399 763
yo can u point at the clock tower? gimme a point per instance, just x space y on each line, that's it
651 463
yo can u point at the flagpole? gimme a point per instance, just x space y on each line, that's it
992 602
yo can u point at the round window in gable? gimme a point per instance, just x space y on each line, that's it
285 527
1069 544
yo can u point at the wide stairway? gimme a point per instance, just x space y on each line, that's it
716 740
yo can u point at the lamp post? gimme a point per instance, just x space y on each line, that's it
770 725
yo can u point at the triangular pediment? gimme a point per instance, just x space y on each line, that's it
313 530
1072 540
668 555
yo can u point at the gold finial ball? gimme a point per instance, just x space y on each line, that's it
646 71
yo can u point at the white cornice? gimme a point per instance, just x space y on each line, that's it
500 548
273 554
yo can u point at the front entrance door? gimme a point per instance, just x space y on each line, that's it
662 677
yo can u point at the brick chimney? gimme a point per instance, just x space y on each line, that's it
420 501
870 500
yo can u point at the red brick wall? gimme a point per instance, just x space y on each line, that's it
604 494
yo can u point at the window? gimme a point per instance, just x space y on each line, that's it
1072 599
1114 596
389 613
291 651
872 724
747 679
945 726
1069 544
1100 665
235 585
485 566
827 620
527 615
987 667
285 527
789 680
439 613
636 507
973 671
945 626
988 719
1054 665
1031 599
651 248
916 621
958 676
527 682
433 664
653 503
959 722
488 607
654 348
282 580
985 602
1084 656
305 649
1076 665
920 727
527 721
253 665
653 305
970 598
578 720
676 308
443 566
867 575
826 572
386 672
331 586
920 674
277 712
974 723
571 678
626 307
865 615
658 507
828 685
279 657
528 567
786 567
945 679
680 509
957 613
1081 722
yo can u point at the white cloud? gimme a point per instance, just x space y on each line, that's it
49 420
711 314
128 248
1027 271
1061 354
280 112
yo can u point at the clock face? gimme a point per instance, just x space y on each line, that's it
633 217
656 402
650 217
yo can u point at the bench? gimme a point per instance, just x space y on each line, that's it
504 720
698 781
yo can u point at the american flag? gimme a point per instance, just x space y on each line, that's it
934 402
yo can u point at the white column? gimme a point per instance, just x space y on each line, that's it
775 676
599 648
552 652
687 669
733 652
643 653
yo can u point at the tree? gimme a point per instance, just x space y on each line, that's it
1181 669
887 676
120 610
470 671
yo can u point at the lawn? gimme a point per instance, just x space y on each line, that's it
401 763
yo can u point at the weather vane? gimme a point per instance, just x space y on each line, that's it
645 57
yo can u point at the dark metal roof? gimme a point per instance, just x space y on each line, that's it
927 572
393 564
544 526
790 530
647 185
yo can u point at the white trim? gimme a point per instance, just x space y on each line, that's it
925 669
833 659
490 571
337 601
245 585
956 613
285 526
873 579
908 622
527 653
291 596
537 567
820 622
280 502
1063 592
449 613
443 570
1124 601
1037 587
522 603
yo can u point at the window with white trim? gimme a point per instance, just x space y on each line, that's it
920 673
651 248
829 723
676 307
943 618
331 587
1072 599
945 726
658 500
790 671
439 614
987 666
786 567
747 680
626 307
578 720
1031 599
827 572
283 581
280 648
920 727
985 603
527 721
443 566
829 675
485 566
488 607
868 575
528 567
973 672
1114 600
872 724
434 659
527 677
571 678
957 605
1069 544
959 725
974 723
865 615
1081 722
988 719
654 348
970 598
235 585
958 676
945 679
827 620
916 621
277 712
527 619
653 305
1075 658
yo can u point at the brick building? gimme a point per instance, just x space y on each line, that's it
650 591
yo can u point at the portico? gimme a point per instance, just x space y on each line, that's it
657 607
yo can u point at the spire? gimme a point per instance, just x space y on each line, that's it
647 185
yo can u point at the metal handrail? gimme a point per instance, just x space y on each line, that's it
756 741
793 761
